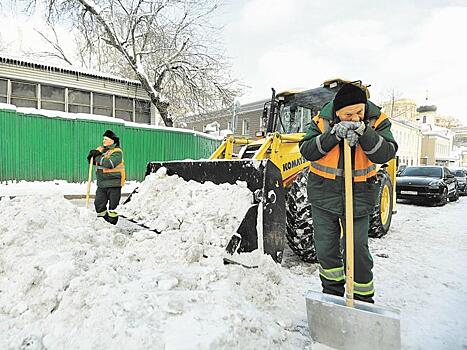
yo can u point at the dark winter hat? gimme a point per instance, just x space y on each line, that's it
348 95
111 135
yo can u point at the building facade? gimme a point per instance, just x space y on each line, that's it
409 139
437 149
242 120
27 83
460 136
401 109
463 158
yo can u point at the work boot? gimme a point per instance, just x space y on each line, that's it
111 220
333 292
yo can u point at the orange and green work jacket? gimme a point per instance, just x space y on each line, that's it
325 152
110 168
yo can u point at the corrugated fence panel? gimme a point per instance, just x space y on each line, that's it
40 148
8 143
141 146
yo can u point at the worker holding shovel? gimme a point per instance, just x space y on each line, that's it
351 117
110 173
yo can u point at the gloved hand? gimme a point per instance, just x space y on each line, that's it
93 154
341 129
354 134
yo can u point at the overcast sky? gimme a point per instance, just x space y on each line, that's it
418 48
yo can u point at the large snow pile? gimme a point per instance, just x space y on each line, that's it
70 281
202 216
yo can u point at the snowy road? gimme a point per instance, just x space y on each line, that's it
68 280
424 275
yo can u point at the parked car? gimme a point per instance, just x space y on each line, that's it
400 169
461 176
434 184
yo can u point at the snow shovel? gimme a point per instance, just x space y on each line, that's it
343 323
89 182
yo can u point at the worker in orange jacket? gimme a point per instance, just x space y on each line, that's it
110 173
350 115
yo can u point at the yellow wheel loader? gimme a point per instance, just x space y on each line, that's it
276 174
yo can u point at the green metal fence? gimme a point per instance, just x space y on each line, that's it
39 148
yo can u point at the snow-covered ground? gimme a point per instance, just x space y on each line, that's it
22 188
68 280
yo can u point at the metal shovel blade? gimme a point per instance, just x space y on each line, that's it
364 326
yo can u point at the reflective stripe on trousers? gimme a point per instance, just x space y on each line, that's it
363 288
335 274
113 214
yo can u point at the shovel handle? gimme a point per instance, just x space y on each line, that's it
89 182
349 243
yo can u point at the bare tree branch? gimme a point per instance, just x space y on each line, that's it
58 51
171 41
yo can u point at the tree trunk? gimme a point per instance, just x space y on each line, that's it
162 108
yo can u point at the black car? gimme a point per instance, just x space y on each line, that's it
461 176
433 184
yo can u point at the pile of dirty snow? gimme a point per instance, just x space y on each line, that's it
71 281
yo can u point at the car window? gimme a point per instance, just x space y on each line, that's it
422 171
459 173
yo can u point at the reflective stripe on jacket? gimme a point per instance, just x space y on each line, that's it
327 166
119 168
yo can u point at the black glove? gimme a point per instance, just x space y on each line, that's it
93 154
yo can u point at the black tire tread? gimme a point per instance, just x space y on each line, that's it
299 220
376 228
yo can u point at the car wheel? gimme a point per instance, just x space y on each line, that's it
455 196
444 197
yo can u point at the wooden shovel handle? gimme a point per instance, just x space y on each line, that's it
349 243
89 182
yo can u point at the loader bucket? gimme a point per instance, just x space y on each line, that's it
267 213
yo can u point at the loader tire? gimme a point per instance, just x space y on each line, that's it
299 220
380 219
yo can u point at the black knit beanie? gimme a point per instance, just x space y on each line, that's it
111 135
348 95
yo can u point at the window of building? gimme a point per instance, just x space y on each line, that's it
23 94
143 111
424 119
79 101
229 125
124 108
245 127
53 98
3 90
102 104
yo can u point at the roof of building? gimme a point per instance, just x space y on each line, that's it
28 62
407 123
431 108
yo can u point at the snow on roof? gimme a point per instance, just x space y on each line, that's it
407 123
28 62
99 118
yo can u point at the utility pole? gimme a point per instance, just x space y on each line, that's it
235 107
